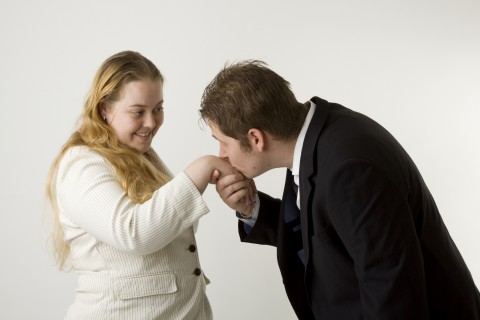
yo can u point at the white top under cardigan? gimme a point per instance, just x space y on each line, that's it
134 261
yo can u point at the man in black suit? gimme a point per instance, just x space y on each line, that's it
357 232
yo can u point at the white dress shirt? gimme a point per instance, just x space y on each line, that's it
295 165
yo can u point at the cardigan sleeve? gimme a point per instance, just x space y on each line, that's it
89 196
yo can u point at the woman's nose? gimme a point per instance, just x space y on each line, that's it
150 121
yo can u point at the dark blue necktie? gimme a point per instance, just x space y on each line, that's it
292 222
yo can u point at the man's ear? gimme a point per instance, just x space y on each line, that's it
257 139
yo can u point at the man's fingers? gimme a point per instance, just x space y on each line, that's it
233 188
237 196
227 180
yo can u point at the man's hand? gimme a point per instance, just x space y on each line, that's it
236 191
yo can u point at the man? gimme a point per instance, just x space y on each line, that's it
357 232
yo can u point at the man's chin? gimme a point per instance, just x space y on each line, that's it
247 175
242 173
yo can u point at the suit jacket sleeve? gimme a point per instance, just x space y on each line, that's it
265 228
90 197
373 220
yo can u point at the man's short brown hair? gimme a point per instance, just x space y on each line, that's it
249 95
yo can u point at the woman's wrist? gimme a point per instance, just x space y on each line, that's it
200 171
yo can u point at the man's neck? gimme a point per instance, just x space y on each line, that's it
281 153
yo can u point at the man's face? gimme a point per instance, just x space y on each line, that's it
246 162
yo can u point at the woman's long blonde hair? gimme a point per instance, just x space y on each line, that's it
139 174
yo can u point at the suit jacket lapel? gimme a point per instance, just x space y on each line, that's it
308 161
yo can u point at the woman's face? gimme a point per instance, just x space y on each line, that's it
138 114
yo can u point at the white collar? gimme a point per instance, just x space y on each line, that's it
297 153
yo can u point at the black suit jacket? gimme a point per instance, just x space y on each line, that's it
375 244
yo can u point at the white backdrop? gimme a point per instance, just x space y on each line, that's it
414 66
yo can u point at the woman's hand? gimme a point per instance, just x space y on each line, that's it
201 170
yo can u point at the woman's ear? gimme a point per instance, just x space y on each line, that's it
103 110
257 139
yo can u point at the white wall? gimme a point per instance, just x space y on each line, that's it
414 66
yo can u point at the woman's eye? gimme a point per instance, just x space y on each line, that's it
137 113
158 109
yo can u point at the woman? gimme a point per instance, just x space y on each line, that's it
125 223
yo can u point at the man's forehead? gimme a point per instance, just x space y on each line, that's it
215 130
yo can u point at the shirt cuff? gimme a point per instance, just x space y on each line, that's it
256 208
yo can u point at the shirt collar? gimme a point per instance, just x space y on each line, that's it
299 144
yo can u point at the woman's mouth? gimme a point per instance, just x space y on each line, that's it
143 135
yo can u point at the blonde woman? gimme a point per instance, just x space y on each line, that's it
120 217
